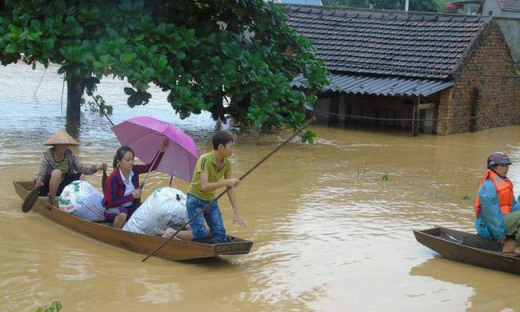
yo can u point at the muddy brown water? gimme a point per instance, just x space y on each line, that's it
330 234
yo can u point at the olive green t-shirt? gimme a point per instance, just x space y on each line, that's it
64 167
208 163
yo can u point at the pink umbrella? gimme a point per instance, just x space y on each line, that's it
144 136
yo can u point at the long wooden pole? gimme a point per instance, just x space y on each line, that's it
227 189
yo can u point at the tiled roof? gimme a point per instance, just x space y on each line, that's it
383 86
509 5
386 43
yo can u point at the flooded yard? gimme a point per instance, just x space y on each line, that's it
330 232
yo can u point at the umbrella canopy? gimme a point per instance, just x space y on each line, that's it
144 136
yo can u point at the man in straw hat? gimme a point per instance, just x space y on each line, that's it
59 166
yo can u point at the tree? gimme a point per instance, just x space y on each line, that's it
441 5
414 5
201 52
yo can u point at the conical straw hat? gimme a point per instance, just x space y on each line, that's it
61 137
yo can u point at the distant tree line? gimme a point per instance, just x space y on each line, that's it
414 5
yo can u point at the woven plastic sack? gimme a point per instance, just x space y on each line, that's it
82 200
165 207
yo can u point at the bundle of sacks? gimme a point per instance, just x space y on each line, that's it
82 200
165 208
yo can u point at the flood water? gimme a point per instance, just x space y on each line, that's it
329 233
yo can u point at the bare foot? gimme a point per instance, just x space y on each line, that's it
52 200
182 235
169 232
119 220
509 245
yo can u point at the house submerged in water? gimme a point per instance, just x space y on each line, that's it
429 73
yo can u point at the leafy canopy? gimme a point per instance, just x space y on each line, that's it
232 58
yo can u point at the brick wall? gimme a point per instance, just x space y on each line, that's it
480 91
444 112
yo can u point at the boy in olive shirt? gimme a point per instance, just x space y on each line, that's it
207 178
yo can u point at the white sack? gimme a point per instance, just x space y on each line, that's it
82 200
165 207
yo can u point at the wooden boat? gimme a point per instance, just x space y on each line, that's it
468 248
145 244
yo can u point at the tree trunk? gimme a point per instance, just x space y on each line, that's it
75 89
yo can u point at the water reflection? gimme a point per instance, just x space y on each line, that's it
490 290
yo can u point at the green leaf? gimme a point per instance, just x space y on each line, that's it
15 32
216 61
163 61
128 58
35 24
105 59
181 55
129 91
11 48
62 69
134 100
75 32
190 33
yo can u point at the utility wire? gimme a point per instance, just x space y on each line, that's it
405 119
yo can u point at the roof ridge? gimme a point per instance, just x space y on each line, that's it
381 14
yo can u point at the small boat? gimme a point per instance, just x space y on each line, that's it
468 248
141 243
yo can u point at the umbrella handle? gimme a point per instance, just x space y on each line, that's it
149 170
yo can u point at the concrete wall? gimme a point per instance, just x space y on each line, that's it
509 22
511 30
491 8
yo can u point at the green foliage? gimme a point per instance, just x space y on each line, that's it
198 52
385 176
441 5
98 105
55 307
308 136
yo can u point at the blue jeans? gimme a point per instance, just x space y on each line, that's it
212 216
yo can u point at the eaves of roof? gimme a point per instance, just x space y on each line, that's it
382 86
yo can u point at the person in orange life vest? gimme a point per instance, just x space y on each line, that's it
496 209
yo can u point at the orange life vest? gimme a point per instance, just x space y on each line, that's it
504 192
